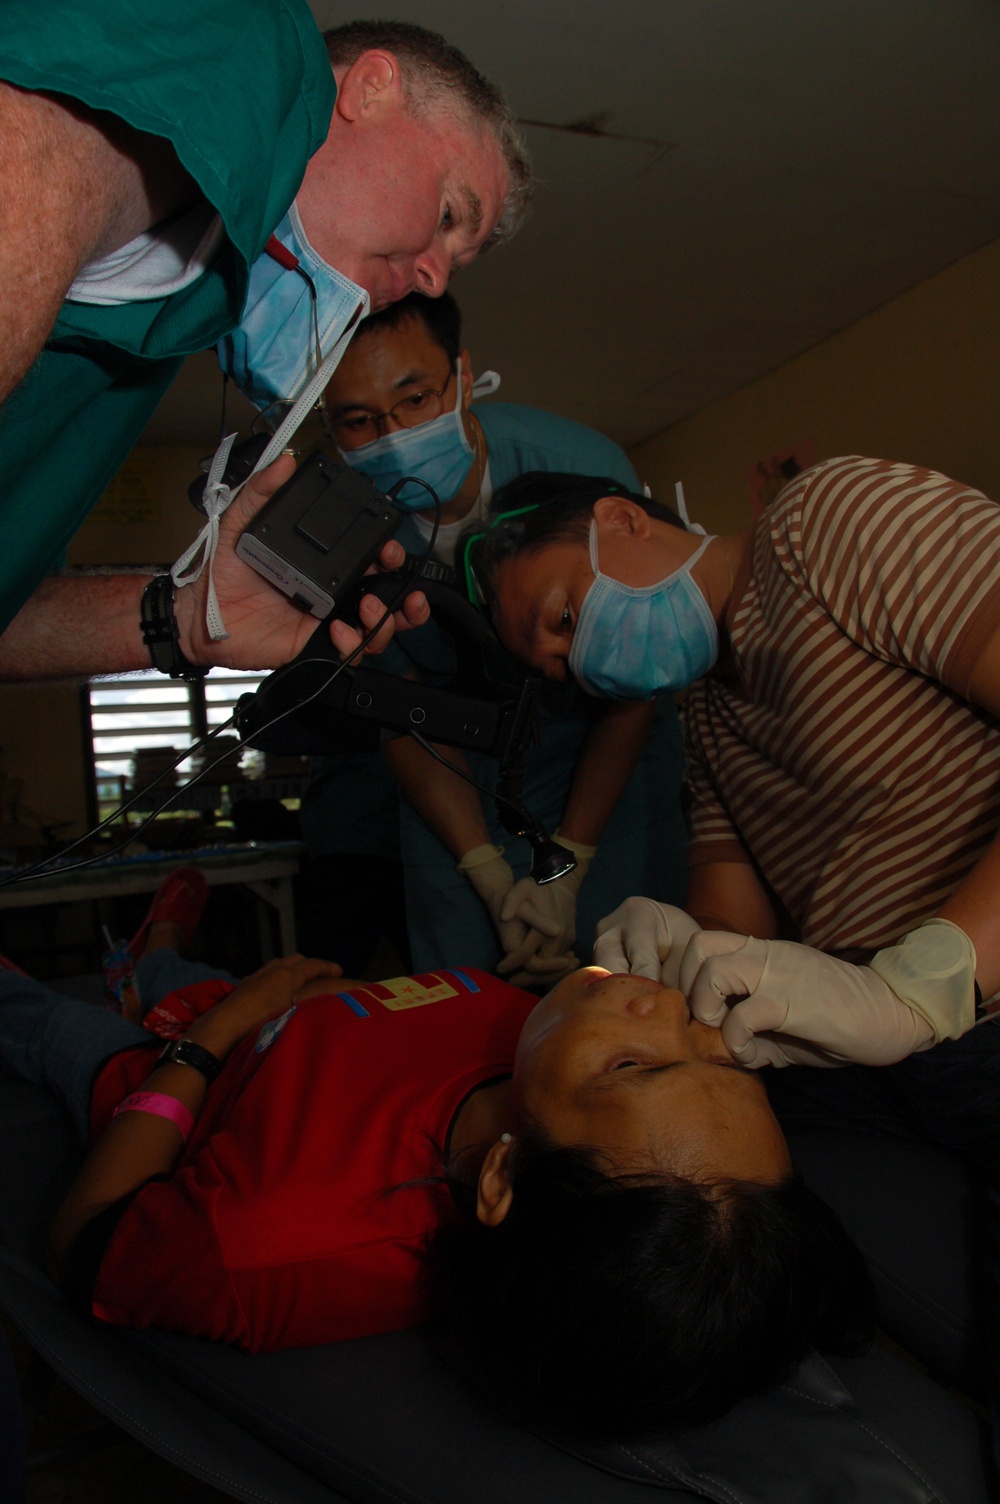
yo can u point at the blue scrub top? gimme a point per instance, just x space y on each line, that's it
519 439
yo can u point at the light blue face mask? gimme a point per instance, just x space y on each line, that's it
438 453
284 332
636 641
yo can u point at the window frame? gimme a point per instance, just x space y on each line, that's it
197 706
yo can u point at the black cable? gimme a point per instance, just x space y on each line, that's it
39 868
519 809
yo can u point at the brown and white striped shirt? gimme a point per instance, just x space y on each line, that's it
845 759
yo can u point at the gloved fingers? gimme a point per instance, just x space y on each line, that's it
559 946
748 1048
511 935
492 880
715 966
631 939
541 971
761 1014
531 912
517 955
739 1040
704 944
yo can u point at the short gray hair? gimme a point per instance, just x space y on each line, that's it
433 70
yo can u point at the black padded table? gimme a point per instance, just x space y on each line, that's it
382 1419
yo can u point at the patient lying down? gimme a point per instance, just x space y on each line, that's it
586 1194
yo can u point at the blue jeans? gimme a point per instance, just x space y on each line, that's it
62 1043
949 1097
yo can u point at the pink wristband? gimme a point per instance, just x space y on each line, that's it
161 1106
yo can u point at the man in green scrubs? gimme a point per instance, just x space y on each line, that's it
143 169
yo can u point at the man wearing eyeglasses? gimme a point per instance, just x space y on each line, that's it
606 777
234 179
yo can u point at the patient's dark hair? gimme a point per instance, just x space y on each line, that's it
553 508
441 317
623 1305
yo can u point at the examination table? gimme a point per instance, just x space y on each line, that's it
382 1419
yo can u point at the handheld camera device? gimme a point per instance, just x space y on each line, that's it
316 537
317 705
318 534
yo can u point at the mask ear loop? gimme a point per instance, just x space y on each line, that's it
486 384
692 527
285 258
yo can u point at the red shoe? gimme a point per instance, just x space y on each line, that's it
8 965
180 899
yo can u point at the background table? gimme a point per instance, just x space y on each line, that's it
265 867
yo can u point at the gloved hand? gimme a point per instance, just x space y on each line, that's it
538 970
806 1008
549 910
646 938
493 879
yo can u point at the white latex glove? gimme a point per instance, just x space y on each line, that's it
805 1008
492 879
539 970
550 910
646 938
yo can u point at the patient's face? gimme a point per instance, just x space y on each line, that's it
617 1063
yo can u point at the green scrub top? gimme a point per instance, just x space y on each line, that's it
244 91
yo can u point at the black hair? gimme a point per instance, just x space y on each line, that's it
434 72
441 317
619 1306
554 508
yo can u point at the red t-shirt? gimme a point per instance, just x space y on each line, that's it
296 1215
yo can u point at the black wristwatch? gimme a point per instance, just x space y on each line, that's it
186 1052
160 633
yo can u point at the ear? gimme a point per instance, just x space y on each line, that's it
495 1193
616 514
368 85
465 360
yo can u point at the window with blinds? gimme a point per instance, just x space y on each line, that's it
137 725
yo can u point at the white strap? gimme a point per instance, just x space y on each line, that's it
219 496
692 527
202 551
486 384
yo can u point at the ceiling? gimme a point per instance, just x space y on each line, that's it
723 183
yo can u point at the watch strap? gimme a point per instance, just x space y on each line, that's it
160 632
187 1052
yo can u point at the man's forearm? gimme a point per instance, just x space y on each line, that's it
604 767
449 805
730 896
973 907
75 626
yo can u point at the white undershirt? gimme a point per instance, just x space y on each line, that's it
156 263
449 534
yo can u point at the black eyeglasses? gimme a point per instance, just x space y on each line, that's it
361 426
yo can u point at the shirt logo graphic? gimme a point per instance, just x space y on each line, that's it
271 1030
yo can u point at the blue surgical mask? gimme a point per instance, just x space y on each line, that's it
636 641
438 453
273 350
